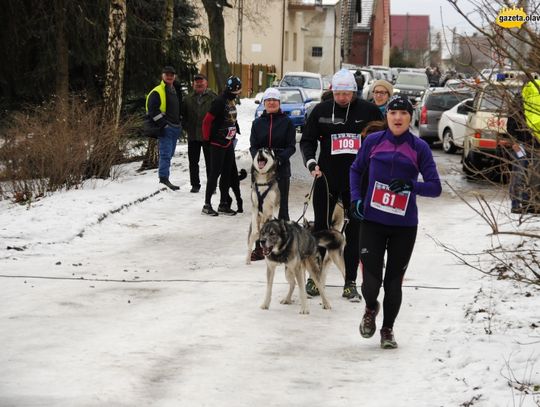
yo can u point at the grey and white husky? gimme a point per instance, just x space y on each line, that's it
264 194
288 243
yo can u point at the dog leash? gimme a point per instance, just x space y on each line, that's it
308 199
306 202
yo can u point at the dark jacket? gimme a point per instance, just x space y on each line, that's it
194 108
219 124
277 132
321 129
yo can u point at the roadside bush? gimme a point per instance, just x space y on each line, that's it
53 147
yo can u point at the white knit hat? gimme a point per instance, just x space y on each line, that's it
344 80
271 93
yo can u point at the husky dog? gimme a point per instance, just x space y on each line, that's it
288 243
264 194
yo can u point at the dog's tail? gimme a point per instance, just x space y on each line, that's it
330 239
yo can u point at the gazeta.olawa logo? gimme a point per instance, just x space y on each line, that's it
514 17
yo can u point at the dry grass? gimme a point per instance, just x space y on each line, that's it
53 147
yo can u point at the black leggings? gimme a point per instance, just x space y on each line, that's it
283 186
323 208
221 161
398 243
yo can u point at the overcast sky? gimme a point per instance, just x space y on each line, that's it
451 18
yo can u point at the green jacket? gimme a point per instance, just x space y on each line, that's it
194 108
531 105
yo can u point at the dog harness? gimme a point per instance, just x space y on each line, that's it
260 197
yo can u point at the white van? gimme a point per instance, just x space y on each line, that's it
312 83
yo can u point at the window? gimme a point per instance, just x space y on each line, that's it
316 51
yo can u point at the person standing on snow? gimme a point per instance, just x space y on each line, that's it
384 185
163 107
275 130
194 108
220 128
336 126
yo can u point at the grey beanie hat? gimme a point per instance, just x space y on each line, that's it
385 84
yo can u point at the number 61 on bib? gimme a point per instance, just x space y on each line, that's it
387 201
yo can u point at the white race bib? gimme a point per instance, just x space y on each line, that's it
345 143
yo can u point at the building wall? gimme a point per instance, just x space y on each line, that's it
409 32
360 48
262 35
323 29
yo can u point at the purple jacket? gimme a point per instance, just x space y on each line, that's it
390 157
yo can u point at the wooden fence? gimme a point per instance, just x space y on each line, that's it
255 77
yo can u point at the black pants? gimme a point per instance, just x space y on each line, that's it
283 186
398 243
221 162
194 155
323 208
234 184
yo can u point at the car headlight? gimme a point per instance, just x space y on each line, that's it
396 90
296 112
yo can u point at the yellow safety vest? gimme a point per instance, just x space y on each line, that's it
531 107
160 89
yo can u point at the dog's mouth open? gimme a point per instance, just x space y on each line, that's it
261 162
267 250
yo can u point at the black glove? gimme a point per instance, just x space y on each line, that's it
400 185
357 209
312 166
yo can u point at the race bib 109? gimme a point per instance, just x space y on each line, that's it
387 201
345 143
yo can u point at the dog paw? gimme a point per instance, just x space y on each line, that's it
327 306
285 301
265 306
304 311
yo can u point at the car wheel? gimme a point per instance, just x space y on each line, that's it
448 142
468 167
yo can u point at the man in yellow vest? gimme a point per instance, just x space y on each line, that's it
163 107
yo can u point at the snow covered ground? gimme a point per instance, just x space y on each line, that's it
122 294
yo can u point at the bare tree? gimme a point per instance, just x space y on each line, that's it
116 58
216 26
62 52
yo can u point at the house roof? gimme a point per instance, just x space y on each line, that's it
367 12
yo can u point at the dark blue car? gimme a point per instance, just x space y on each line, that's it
294 103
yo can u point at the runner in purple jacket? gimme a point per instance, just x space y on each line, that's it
384 184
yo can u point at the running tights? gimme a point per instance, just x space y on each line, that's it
397 242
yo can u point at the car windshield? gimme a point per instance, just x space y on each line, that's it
495 98
301 82
444 101
411 79
290 96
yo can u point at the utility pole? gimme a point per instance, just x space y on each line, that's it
239 31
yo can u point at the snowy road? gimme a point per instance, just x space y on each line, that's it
154 306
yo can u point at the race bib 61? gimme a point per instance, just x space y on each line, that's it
387 201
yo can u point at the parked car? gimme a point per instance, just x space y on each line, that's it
486 143
411 85
451 130
386 71
295 103
312 83
434 102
